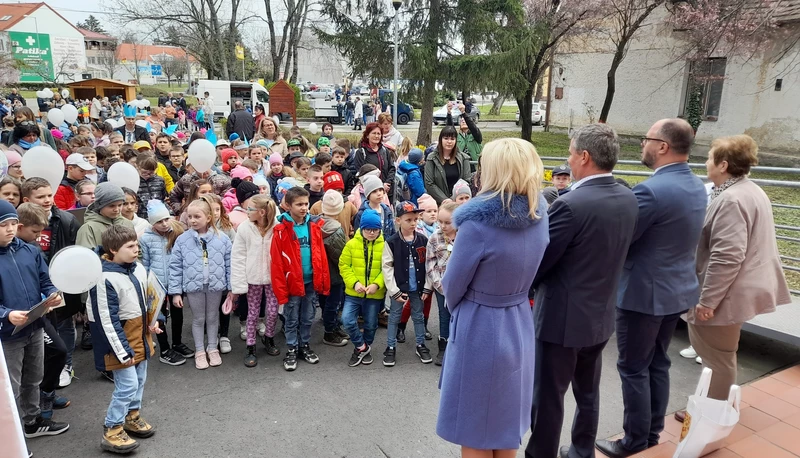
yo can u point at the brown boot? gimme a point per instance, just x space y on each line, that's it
116 440
136 426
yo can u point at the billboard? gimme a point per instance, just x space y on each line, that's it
32 51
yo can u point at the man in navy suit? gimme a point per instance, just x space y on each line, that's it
591 228
658 284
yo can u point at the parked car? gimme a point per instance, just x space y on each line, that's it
440 115
537 114
324 93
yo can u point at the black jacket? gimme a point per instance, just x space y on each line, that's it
162 101
400 253
154 188
241 122
140 133
347 176
64 231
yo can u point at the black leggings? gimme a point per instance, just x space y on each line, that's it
177 326
55 355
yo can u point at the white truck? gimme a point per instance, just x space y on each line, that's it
226 93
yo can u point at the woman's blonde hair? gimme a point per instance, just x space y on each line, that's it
204 206
740 151
278 132
265 203
511 166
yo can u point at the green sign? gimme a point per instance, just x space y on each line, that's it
33 53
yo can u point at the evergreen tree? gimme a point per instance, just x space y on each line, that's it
93 24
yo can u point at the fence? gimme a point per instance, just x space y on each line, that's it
761 182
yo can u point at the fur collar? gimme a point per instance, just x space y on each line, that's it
490 211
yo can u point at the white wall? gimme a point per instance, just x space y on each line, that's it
650 86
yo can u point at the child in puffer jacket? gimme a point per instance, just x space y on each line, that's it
156 246
200 267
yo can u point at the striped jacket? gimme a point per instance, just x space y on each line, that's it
118 316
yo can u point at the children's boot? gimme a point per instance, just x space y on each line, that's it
250 359
116 440
269 344
136 426
442 349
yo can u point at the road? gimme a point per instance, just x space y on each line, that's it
329 409
413 126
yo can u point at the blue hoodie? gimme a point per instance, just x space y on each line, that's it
414 181
24 278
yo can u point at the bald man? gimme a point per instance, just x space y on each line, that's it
240 121
658 282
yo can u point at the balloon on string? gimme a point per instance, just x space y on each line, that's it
71 280
202 154
277 120
55 116
70 113
40 94
48 94
313 128
124 175
43 162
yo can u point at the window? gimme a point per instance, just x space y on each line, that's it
91 60
262 96
709 74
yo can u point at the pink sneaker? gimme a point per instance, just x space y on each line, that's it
214 359
200 360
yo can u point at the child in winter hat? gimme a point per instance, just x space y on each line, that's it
415 156
333 180
156 211
371 183
332 203
461 192
262 183
370 219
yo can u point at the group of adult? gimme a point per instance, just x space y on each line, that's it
601 257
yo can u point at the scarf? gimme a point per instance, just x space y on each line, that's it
717 190
27 145
388 136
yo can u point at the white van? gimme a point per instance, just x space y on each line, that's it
226 93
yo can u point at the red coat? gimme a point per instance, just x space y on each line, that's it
286 266
65 197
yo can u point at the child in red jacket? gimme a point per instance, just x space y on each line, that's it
299 268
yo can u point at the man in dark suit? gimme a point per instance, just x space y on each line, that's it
240 121
576 291
131 133
658 284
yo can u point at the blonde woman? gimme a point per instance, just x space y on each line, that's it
268 130
487 376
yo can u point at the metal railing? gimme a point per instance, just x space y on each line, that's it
762 182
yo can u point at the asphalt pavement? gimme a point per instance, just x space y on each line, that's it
327 409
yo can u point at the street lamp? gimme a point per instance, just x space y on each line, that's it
396 4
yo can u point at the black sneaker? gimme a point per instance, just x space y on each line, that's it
401 336
183 350
290 360
250 359
308 354
424 354
358 356
367 360
388 357
86 339
269 344
108 375
172 357
43 427
342 333
333 339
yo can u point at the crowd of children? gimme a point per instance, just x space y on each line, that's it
265 235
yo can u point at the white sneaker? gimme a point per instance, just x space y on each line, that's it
66 376
262 328
689 353
243 331
698 360
224 345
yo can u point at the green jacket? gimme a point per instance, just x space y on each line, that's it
94 224
334 240
436 180
353 265
470 142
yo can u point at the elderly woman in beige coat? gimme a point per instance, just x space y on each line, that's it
737 261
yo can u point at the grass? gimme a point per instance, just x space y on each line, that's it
507 112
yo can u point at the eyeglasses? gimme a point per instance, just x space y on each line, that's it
371 231
646 139
18 166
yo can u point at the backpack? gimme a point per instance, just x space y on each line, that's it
401 191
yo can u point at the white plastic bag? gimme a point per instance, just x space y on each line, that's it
708 421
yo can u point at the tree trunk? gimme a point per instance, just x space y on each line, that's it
497 104
611 77
432 60
426 119
525 106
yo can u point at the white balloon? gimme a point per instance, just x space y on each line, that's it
69 279
277 120
313 128
112 122
3 164
40 94
70 113
145 103
55 117
43 162
65 93
120 122
124 175
202 155
48 94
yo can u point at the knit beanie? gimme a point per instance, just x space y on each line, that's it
226 154
106 194
246 190
156 211
370 219
13 157
371 183
426 202
332 203
241 172
461 187
323 141
414 156
275 158
7 211
333 180
260 181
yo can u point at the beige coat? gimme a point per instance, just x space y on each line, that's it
737 259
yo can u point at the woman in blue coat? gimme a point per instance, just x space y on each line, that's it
487 376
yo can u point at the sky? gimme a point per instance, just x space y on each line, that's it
78 11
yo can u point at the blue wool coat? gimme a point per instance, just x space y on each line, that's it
487 376
186 263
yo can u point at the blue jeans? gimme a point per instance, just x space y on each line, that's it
299 308
348 117
127 395
368 308
66 330
444 317
396 310
330 307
